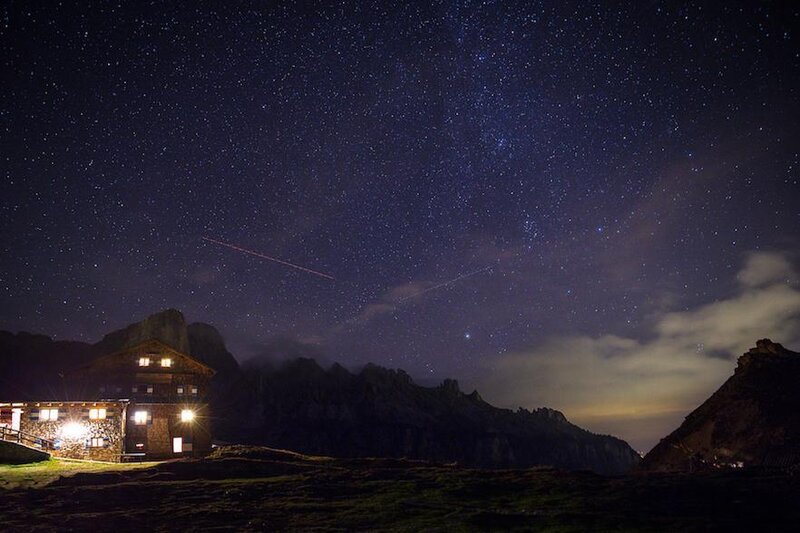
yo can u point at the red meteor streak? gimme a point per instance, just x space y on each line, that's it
251 252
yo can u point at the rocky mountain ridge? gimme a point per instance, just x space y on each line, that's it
379 412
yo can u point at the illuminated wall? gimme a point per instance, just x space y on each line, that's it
77 429
162 424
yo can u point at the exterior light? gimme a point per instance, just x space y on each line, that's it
187 415
140 418
73 431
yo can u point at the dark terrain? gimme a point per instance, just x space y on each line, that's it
260 489
298 405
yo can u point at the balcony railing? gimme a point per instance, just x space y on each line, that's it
26 439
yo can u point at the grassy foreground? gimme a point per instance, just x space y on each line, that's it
258 489
43 473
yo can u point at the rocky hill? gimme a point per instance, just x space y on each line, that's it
299 405
753 420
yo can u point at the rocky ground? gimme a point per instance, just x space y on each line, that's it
259 489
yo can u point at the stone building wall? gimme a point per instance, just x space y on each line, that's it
73 431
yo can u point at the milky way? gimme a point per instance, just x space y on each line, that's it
617 164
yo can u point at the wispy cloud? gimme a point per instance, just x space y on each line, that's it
396 296
641 389
763 268
388 302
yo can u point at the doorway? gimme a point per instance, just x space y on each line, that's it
16 418
177 445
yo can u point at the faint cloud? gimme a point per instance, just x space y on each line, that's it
389 301
372 311
642 388
763 268
204 276
281 348
406 290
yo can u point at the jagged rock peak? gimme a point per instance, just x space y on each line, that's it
475 396
450 386
374 374
168 326
765 350
208 345
551 413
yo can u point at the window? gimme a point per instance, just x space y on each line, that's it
97 442
140 445
149 389
180 389
97 414
194 389
166 362
187 415
48 414
140 418
144 361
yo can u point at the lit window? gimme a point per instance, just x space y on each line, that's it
149 389
140 418
166 362
180 389
140 445
194 389
187 415
97 442
144 361
97 414
48 414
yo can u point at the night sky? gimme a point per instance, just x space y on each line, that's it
602 200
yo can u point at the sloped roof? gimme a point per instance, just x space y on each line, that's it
156 345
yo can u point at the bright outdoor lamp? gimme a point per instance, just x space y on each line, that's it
73 431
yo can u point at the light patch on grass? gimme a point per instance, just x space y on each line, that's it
44 472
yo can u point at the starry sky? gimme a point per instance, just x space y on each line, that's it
571 204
